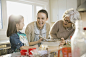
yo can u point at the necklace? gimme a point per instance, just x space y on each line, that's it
68 29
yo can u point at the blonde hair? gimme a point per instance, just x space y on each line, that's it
73 14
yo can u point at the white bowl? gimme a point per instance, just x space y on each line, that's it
51 43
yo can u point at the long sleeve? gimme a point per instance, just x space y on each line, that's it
28 32
54 30
70 35
47 29
15 42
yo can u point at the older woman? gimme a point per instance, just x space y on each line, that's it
63 29
39 27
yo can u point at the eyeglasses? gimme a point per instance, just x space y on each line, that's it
68 21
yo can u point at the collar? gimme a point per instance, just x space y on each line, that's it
37 31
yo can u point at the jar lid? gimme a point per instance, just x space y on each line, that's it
84 28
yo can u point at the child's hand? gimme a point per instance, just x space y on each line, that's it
36 46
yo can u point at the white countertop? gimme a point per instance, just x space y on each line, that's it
4 42
17 54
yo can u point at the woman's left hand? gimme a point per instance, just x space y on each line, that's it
62 41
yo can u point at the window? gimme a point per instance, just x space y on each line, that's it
21 9
27 10
1 25
38 8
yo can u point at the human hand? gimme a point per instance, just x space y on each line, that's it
36 46
62 41
39 41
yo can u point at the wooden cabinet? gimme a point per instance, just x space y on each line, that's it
58 7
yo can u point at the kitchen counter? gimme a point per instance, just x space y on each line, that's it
5 47
4 42
12 55
51 49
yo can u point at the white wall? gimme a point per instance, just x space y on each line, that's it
83 17
4 14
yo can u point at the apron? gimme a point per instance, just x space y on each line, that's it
23 39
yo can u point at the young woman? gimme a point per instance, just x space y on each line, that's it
39 27
18 40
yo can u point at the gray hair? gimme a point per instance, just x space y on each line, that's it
73 14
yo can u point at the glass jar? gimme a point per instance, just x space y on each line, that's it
78 40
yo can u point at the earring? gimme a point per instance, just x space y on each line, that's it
73 26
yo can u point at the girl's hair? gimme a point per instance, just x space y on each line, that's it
13 20
43 11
